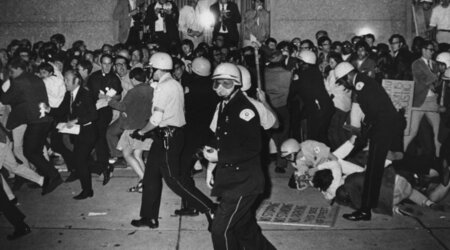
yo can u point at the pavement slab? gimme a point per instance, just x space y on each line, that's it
59 222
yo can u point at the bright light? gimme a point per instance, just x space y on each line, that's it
365 31
207 19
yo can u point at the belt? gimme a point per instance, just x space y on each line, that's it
443 30
168 131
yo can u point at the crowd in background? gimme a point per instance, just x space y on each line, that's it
295 78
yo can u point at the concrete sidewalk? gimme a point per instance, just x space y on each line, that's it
103 222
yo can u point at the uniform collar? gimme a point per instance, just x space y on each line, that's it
165 77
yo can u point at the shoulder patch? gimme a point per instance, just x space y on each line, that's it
247 114
359 86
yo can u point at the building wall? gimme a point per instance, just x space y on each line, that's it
88 20
341 18
92 21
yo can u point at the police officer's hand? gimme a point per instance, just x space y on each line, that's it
136 135
210 154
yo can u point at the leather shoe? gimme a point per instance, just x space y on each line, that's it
107 174
72 177
84 194
186 212
145 222
358 215
51 184
19 232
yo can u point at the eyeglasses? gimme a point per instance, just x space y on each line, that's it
429 49
120 64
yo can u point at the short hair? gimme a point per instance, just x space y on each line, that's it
426 43
189 43
309 42
321 33
271 40
286 44
335 44
323 39
177 61
106 56
354 38
370 35
59 38
400 38
77 44
336 56
127 62
17 62
362 44
76 75
322 179
138 74
85 64
47 67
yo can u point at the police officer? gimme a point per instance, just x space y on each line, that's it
239 179
384 120
200 103
167 123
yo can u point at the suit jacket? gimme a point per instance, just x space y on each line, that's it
230 23
402 65
26 94
424 79
171 21
83 107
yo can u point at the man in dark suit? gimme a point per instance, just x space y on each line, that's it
162 19
79 109
227 16
425 74
99 83
28 98
13 215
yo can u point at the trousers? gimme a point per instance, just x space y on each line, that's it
164 162
234 226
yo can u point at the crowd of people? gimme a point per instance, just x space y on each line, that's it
168 105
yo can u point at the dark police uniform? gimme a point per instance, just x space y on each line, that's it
164 156
385 134
83 109
238 178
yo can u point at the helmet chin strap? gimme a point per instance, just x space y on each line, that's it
228 97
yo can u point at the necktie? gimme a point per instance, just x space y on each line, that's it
71 101
430 65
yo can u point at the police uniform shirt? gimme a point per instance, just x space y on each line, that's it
267 118
238 142
169 96
374 101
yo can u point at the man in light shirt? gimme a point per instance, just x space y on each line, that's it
189 23
440 21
